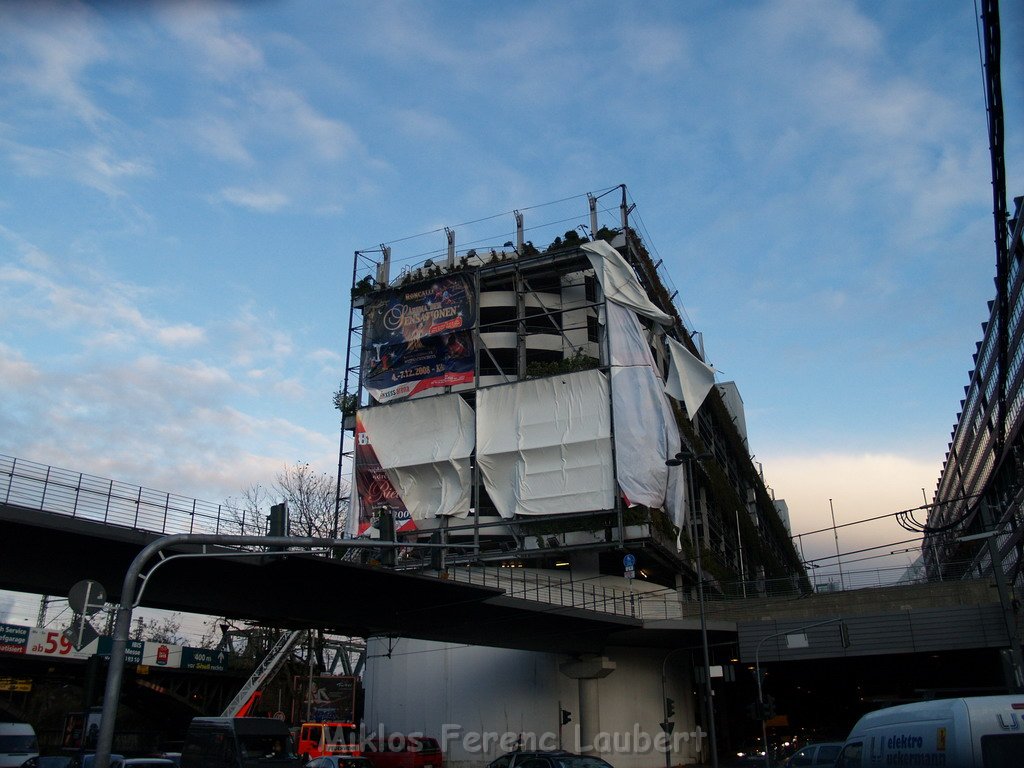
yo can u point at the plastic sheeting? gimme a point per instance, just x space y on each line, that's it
424 446
689 378
544 445
640 409
619 282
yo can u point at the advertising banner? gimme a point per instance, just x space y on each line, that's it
376 492
418 338
326 698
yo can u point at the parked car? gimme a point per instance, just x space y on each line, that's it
17 744
415 752
143 762
822 753
555 758
339 761
48 761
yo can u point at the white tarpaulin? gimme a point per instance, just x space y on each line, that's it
689 378
424 446
619 282
641 411
544 445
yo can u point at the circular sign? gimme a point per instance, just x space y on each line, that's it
87 597
629 561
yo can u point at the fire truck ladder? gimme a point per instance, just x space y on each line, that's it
266 669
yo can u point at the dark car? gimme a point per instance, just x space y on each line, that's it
48 761
555 758
339 761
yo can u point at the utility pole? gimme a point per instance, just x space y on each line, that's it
839 560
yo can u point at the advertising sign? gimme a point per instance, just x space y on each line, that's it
327 698
418 338
52 642
376 493
13 638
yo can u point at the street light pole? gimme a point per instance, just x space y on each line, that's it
757 673
688 456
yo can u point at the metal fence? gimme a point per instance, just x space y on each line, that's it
97 499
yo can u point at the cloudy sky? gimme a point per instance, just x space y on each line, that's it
184 184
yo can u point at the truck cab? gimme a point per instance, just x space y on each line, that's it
329 738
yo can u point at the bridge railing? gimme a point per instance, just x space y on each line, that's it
97 499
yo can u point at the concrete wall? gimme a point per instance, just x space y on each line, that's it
479 700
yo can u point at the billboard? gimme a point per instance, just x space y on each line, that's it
419 337
376 491
325 698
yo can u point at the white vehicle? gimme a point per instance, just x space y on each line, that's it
17 744
977 732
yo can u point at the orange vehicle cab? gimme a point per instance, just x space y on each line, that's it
331 738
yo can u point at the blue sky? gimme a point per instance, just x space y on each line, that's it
182 187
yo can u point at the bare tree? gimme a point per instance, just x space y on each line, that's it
314 505
161 630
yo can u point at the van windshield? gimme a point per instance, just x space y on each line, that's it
16 743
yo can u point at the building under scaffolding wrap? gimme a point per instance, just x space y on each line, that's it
523 402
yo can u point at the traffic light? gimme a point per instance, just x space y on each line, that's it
769 707
278 520
670 708
754 710
566 716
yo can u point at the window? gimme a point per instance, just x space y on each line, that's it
850 756
1002 751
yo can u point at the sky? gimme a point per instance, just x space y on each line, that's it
183 186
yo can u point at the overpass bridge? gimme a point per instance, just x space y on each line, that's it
61 527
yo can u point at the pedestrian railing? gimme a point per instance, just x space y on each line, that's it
75 494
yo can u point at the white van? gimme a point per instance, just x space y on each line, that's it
17 744
977 732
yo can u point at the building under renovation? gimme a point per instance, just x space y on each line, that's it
546 408
529 405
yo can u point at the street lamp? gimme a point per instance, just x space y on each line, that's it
688 456
757 673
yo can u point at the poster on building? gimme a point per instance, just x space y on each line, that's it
419 338
325 698
376 492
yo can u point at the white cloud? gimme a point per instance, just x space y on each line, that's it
288 112
181 335
51 46
221 138
264 201
222 54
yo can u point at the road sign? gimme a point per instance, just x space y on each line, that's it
629 561
204 659
87 597
629 573
668 726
